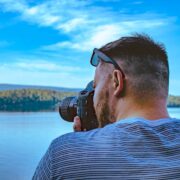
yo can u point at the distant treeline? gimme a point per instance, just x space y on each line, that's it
31 100
44 100
174 101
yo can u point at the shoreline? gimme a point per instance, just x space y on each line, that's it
41 111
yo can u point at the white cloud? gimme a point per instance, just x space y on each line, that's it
41 72
72 24
40 15
86 24
63 79
103 34
11 5
44 73
41 65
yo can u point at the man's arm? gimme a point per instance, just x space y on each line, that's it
43 170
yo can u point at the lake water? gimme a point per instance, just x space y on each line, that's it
24 138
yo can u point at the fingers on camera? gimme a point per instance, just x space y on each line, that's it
77 124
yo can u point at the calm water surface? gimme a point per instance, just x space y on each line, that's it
24 138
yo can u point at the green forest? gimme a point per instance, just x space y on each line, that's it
31 100
44 100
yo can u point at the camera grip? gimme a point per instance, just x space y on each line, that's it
86 111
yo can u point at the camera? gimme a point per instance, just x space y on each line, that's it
82 106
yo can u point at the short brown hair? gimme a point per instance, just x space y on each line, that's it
144 61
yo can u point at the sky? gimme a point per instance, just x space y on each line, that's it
49 42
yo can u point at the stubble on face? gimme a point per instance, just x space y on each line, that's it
104 112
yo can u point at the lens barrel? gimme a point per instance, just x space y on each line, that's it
68 108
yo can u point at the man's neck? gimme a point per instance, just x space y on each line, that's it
151 110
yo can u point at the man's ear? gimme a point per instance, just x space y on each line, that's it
117 82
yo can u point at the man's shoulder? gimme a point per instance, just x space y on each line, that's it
84 137
76 136
119 130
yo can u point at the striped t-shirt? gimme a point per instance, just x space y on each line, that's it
128 149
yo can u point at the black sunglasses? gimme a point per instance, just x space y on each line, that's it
98 55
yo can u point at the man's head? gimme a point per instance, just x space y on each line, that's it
143 74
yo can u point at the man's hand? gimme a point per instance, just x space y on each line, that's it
77 124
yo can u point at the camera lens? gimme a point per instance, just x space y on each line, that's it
68 108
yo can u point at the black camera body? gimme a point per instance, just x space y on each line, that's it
82 106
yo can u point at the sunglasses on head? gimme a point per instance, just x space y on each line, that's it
97 55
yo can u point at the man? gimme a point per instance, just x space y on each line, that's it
140 141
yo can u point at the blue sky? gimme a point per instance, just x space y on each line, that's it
50 42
